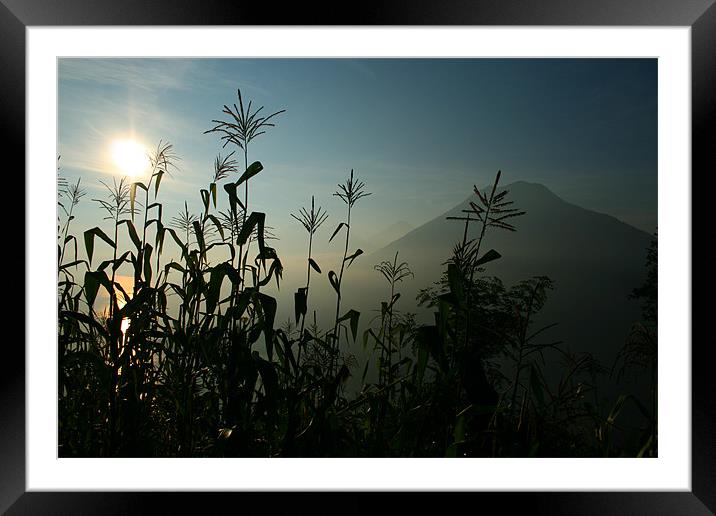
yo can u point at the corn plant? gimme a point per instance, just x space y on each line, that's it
311 221
242 127
393 272
350 193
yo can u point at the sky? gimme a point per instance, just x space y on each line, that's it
419 132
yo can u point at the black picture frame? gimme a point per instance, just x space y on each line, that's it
700 15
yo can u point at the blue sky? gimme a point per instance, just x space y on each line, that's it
418 132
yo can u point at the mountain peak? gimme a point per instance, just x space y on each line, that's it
525 186
522 189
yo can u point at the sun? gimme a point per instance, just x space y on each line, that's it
130 157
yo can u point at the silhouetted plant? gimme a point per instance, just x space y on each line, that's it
72 193
492 211
349 192
241 129
311 221
184 222
393 272
244 125
640 352
223 166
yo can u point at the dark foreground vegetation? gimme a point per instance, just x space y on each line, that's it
190 361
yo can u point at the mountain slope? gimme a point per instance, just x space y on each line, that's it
381 238
594 260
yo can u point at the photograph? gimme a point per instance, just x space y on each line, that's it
357 257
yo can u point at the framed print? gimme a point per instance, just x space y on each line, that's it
416 253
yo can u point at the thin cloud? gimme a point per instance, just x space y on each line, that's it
146 74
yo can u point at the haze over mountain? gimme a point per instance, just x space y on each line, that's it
381 238
594 260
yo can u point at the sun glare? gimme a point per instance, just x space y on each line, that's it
130 157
